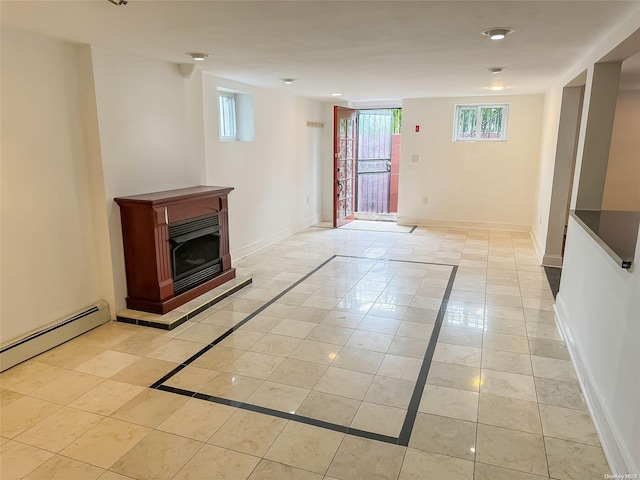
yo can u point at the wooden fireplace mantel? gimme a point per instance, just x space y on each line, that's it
145 234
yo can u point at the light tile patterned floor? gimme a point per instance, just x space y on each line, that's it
371 226
345 346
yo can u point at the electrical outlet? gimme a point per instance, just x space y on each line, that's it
425 199
415 158
307 200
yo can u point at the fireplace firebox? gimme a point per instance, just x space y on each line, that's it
176 246
195 252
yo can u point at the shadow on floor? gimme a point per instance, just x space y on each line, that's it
553 277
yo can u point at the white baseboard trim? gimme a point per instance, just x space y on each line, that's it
552 261
273 238
60 331
545 259
615 450
537 246
424 222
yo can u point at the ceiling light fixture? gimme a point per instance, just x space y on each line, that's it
288 81
494 70
198 57
337 94
497 88
498 33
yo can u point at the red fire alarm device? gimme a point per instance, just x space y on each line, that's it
417 128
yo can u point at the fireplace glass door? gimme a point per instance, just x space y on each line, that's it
194 255
195 252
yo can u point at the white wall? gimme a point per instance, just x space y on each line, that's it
87 124
150 124
598 308
546 165
49 251
622 185
475 183
276 177
551 118
597 305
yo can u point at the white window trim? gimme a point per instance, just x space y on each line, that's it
228 138
478 106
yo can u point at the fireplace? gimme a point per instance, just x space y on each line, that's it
195 251
176 246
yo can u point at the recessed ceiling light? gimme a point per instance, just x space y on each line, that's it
336 94
288 81
494 70
496 88
198 57
498 33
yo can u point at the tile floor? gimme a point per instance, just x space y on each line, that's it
317 379
371 226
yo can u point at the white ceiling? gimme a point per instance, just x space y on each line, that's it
377 50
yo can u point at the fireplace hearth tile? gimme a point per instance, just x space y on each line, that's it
177 317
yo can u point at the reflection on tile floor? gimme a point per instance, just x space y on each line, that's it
365 225
345 346
343 358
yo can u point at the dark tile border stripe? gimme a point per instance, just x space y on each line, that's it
414 403
280 414
238 325
366 230
377 231
412 409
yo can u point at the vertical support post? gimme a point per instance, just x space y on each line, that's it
602 94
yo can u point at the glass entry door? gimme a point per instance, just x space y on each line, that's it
374 152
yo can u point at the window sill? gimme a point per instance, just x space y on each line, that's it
616 232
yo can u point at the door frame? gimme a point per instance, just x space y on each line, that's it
358 160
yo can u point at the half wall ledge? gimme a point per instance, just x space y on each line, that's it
615 231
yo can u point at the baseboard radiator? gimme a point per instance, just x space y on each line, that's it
52 335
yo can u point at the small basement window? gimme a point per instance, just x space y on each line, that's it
481 123
235 111
228 126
